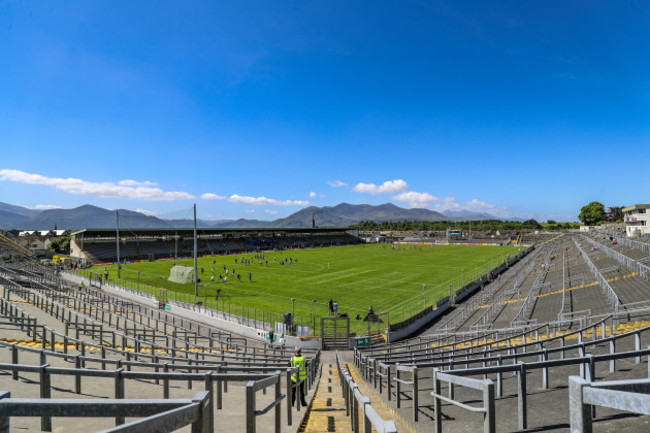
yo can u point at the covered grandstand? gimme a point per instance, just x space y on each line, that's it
99 245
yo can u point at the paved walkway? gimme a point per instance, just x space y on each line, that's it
327 410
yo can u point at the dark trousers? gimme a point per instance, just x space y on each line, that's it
299 389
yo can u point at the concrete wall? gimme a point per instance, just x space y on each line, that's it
236 328
198 316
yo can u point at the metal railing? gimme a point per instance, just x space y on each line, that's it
513 363
606 288
625 395
358 405
251 413
486 386
535 288
641 269
160 415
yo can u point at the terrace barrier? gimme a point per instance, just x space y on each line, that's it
161 416
357 405
624 395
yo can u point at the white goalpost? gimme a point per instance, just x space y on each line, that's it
181 274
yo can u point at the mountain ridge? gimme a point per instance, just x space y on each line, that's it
341 215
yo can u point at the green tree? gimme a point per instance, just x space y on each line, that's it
592 214
61 245
615 214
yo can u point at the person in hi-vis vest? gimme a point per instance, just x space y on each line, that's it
299 361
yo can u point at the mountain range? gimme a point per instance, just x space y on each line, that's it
341 215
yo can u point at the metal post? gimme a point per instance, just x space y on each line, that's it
196 273
250 407
437 413
45 392
489 424
522 412
579 412
117 232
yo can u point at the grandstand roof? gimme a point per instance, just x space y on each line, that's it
635 207
146 232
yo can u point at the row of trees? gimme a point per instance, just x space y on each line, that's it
483 225
594 214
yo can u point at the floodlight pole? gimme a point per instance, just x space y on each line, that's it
117 230
196 270
313 315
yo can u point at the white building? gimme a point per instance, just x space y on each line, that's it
637 219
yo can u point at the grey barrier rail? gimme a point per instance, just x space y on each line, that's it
625 395
471 287
497 302
413 381
222 380
209 379
493 346
474 338
461 315
119 302
53 308
149 317
641 269
138 344
383 371
486 387
534 288
512 354
154 363
631 243
251 413
358 406
160 415
606 288
586 362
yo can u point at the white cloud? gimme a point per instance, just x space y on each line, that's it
265 201
147 212
251 211
270 212
312 194
46 206
210 196
388 187
336 183
416 199
428 201
130 182
101 189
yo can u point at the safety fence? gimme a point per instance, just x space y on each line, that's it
534 290
602 281
375 372
624 395
641 269
161 416
358 406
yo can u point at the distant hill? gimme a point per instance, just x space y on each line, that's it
466 215
341 215
18 210
346 214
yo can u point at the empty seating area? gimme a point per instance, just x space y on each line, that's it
502 361
60 342
99 246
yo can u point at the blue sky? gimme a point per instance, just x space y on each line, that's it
257 109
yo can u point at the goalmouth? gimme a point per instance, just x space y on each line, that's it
181 274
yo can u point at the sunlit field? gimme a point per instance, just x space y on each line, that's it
390 278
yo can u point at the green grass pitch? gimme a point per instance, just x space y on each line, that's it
388 277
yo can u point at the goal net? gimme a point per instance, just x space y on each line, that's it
181 274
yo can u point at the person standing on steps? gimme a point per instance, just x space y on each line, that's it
298 361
